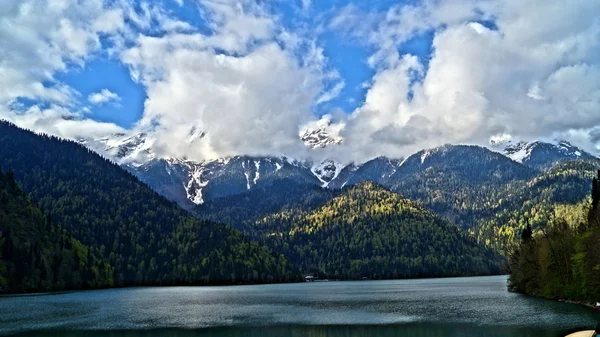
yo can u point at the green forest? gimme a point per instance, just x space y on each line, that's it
145 238
38 255
369 232
560 260
70 219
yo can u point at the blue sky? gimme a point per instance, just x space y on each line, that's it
347 56
387 77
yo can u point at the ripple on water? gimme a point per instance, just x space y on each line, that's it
480 303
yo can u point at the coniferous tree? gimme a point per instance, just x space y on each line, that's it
143 238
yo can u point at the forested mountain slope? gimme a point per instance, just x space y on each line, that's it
459 182
560 259
242 211
38 255
145 237
368 231
536 202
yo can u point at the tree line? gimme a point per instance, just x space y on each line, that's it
561 259
145 238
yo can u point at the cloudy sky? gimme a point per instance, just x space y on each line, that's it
393 76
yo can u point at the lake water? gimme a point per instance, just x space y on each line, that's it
478 306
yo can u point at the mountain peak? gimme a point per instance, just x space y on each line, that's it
321 133
541 154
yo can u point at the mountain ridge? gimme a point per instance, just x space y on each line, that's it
192 183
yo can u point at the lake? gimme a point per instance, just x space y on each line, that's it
475 306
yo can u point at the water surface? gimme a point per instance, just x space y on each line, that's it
478 306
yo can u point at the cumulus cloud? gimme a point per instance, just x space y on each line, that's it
498 69
533 74
39 39
244 86
103 96
59 121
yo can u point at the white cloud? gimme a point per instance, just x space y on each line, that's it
536 76
242 85
250 83
39 39
306 4
59 121
103 96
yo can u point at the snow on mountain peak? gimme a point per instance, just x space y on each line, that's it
522 152
327 171
321 133
131 149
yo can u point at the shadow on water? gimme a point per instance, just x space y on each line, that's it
412 330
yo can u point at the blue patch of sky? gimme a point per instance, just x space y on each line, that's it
22 104
102 73
349 60
489 24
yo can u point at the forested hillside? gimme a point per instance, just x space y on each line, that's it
38 255
561 259
242 211
483 192
536 202
146 238
461 183
368 231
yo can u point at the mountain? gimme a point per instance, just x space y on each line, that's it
542 155
320 134
133 150
462 183
38 255
146 238
377 170
368 231
243 210
536 202
192 183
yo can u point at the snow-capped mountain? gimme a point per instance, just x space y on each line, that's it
191 183
327 171
375 170
542 155
321 134
133 150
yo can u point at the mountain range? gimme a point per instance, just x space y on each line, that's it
191 183
66 212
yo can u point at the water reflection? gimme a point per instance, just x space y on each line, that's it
478 306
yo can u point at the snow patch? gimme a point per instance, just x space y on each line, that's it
257 173
424 155
326 171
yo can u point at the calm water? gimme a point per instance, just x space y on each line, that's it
436 307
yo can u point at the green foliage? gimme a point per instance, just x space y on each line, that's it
368 231
37 255
536 202
244 210
146 238
561 260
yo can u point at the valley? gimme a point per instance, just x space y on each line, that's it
449 211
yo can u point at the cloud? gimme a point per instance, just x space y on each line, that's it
306 4
497 69
524 76
246 88
39 39
59 121
103 96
